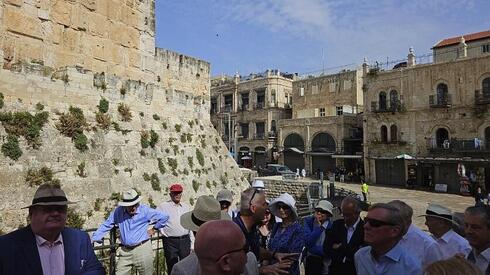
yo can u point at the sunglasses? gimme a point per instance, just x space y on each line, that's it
53 208
283 206
321 211
244 249
377 223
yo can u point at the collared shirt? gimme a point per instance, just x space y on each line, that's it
422 246
52 255
134 228
173 228
451 243
394 262
481 260
351 229
252 237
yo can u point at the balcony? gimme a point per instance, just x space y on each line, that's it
259 136
482 98
377 108
440 101
243 107
457 146
227 108
259 105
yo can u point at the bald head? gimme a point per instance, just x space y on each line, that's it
219 246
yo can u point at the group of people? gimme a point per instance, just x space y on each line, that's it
259 237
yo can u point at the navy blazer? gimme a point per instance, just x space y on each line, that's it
19 254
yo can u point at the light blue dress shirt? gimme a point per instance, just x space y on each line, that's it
395 262
133 229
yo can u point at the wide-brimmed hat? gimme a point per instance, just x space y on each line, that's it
49 194
286 199
439 211
130 198
224 195
206 209
325 206
258 184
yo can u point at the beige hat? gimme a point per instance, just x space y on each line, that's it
439 211
325 206
130 198
206 209
224 195
258 184
286 199
49 194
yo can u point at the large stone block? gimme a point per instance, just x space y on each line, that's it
61 12
18 22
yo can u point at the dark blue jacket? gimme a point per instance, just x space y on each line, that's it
313 232
19 254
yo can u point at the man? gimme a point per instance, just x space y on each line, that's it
364 190
439 221
383 229
133 220
46 246
346 237
317 229
477 229
177 241
225 199
221 248
417 242
206 209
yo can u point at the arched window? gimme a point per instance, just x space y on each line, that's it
393 100
384 134
442 138
442 94
486 87
393 133
382 101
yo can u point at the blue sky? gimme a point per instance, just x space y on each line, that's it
308 35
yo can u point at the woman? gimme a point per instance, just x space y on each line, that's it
265 228
287 236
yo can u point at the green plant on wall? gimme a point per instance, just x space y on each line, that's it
103 120
183 138
115 196
155 182
172 163
124 112
26 125
191 123
200 157
151 202
103 105
117 128
190 161
74 219
146 177
144 139
195 185
189 137
161 166
81 142
153 138
72 124
11 148
81 170
97 204
164 125
208 184
39 106
156 117
1 101
178 127
36 177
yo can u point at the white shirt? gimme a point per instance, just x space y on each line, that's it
421 246
173 228
482 260
52 255
351 229
452 243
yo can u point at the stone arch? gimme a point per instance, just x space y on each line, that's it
323 142
393 133
294 147
394 99
383 131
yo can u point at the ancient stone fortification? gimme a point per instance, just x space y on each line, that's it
62 58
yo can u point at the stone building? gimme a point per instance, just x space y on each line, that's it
325 130
429 123
87 99
246 110
468 45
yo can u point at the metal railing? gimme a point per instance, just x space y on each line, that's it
381 108
457 145
440 101
259 105
259 136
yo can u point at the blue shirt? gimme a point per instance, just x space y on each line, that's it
395 262
288 240
315 235
252 238
134 228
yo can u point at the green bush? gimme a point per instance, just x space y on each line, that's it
26 125
190 160
195 185
191 201
144 139
97 203
164 125
153 138
191 123
175 148
155 182
151 202
178 127
11 148
74 219
81 170
81 142
200 157
156 117
185 172
44 175
142 114
39 106
1 101
125 112
172 163
146 177
208 184
103 120
224 180
189 137
116 196
103 105
161 166
183 138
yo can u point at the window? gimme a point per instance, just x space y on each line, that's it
393 100
393 133
314 89
273 97
442 94
340 110
485 48
214 105
245 101
332 87
384 134
486 87
322 111
244 129
302 91
273 125
347 84
260 99
382 101
260 129
228 103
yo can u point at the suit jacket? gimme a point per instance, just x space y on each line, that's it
19 254
343 257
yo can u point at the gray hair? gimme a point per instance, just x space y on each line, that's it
246 199
394 216
354 201
405 210
483 211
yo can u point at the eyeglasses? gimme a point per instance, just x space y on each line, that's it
244 249
283 206
321 211
377 223
53 208
253 196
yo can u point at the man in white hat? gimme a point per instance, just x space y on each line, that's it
316 229
133 220
46 246
258 184
439 221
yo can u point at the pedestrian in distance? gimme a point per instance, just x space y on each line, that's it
133 220
46 245
365 190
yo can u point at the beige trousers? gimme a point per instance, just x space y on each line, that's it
141 257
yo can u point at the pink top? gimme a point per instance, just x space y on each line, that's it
52 255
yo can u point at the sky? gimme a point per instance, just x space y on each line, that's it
310 36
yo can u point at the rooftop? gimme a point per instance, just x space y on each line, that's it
468 38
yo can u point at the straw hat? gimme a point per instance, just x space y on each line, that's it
224 195
206 209
439 211
48 194
130 198
286 199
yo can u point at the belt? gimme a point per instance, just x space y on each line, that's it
134 245
177 238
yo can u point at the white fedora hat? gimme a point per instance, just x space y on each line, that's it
325 206
439 211
206 209
286 199
258 184
130 198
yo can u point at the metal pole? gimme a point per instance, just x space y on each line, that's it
112 260
235 141
229 132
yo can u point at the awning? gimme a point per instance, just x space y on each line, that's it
347 156
312 153
246 157
294 149
404 156
259 152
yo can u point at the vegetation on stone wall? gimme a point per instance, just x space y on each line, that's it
178 127
124 112
151 202
36 177
191 123
153 138
81 142
156 117
161 166
195 185
117 128
190 161
155 182
97 204
25 124
1 100
172 163
103 120
39 106
11 148
200 157
144 139
103 105
81 170
72 124
74 219
115 196
146 176
164 125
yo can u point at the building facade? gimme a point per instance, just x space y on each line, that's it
246 111
325 131
428 124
